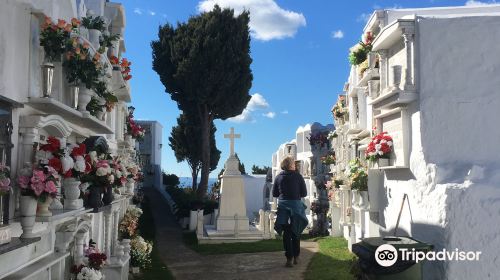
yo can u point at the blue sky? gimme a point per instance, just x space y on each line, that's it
299 50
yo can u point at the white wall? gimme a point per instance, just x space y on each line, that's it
254 193
453 184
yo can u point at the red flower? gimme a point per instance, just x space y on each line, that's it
53 144
68 174
56 164
79 151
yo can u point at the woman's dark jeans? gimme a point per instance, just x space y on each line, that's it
290 242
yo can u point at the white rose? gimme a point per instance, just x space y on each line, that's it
383 141
377 147
101 171
389 143
93 156
67 163
80 164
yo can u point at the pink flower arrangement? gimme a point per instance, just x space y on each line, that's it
41 184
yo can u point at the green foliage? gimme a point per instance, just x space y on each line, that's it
93 107
360 54
170 180
257 170
269 245
333 261
204 65
82 69
106 41
241 166
96 22
186 200
185 142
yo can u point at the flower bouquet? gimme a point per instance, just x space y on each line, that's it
133 129
54 37
125 69
358 175
140 252
83 272
329 158
130 221
340 108
41 184
359 53
380 147
80 65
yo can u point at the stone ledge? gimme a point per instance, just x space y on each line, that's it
38 266
17 243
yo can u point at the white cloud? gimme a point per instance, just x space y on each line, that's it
152 13
270 115
479 3
138 11
246 116
268 21
284 112
256 103
339 34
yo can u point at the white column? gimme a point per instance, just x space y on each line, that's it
107 233
383 70
408 36
79 242
116 222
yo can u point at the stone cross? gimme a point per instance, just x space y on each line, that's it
231 137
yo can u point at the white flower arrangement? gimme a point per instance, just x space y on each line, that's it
88 273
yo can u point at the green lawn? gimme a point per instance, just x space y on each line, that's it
333 261
157 270
271 245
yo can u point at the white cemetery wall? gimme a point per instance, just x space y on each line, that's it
254 190
452 183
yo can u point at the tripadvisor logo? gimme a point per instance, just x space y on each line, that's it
387 255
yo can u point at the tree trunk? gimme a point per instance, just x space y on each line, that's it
205 154
194 174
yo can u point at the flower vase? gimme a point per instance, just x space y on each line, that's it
84 97
47 78
130 186
94 38
383 162
84 32
373 88
72 199
108 195
27 209
94 198
363 199
73 96
100 114
42 209
126 247
355 197
128 140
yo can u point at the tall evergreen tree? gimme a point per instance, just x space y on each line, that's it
204 65
186 144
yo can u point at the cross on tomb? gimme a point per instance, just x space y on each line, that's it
231 136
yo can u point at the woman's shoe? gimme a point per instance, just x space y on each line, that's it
295 260
288 262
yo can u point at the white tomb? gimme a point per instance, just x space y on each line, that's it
232 224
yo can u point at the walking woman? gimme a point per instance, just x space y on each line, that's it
289 187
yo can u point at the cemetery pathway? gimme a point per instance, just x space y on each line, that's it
186 264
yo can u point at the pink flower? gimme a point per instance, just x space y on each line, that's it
4 185
23 181
102 163
38 177
38 188
50 187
